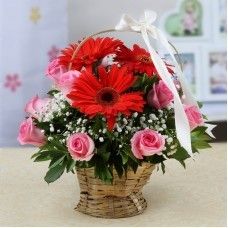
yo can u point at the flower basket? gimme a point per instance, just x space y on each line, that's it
121 198
112 114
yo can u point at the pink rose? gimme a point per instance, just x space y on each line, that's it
30 134
36 106
194 116
80 146
66 80
160 95
146 143
54 70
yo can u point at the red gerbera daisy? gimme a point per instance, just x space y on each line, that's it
106 94
138 60
91 51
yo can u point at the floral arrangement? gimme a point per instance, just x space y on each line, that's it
108 109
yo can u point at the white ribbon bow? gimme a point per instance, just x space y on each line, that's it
145 27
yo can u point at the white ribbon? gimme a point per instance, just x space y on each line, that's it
145 27
210 127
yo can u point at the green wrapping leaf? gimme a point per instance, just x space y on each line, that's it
54 173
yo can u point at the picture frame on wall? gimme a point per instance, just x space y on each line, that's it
215 74
220 20
187 21
190 64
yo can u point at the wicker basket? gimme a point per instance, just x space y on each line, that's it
122 198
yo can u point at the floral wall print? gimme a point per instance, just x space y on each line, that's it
12 82
35 15
23 57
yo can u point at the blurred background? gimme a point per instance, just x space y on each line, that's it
32 32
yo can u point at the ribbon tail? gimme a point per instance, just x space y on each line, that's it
182 126
210 127
189 97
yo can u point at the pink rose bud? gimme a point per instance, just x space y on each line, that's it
194 116
65 81
81 147
36 106
54 70
160 95
30 134
146 143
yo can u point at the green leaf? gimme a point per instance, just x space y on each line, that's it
54 173
102 171
70 165
183 164
97 125
163 167
102 151
201 144
124 157
134 165
56 162
42 157
35 155
155 159
58 145
200 138
118 166
181 154
200 104
53 92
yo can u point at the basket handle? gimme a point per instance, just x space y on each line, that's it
113 30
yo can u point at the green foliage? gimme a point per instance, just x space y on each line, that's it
113 153
54 173
102 170
144 83
155 159
103 152
181 155
163 167
59 156
200 138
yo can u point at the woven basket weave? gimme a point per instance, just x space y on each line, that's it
122 198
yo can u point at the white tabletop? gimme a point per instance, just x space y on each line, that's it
192 197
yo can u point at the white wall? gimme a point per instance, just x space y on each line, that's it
88 16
